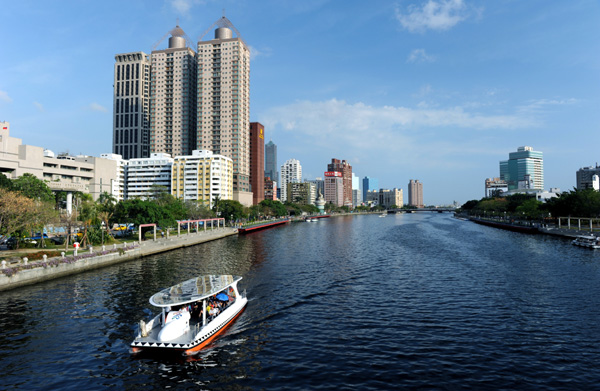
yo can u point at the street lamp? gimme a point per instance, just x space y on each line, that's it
102 229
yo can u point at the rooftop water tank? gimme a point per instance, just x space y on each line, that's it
176 42
223 33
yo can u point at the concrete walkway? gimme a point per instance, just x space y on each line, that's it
21 274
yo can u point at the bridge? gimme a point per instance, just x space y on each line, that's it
438 210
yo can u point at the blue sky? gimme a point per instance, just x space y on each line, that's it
437 90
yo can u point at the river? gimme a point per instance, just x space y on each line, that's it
409 301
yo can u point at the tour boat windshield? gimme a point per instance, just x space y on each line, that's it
192 290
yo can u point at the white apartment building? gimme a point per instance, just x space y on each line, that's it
173 98
117 188
202 176
223 106
145 174
291 172
131 105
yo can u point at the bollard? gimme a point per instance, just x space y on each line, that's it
91 249
3 264
103 248
62 254
115 246
25 260
75 252
45 257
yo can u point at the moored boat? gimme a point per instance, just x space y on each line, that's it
193 313
588 241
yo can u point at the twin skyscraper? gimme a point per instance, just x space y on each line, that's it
178 99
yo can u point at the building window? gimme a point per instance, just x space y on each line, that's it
137 71
127 73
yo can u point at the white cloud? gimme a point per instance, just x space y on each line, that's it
409 137
254 52
97 107
182 6
434 15
39 106
419 56
4 97
536 106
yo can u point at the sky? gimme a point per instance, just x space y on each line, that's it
439 91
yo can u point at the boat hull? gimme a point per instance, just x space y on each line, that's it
205 336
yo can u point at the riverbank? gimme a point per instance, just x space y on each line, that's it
566 233
26 273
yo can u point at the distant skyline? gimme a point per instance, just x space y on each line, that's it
440 90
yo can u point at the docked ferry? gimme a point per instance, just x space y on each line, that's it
193 313
589 241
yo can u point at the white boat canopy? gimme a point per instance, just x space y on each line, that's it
193 290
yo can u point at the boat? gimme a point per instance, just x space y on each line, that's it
193 313
589 241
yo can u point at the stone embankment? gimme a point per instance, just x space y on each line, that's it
27 273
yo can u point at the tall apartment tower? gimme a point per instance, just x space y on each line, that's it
257 162
415 193
291 172
223 107
271 161
131 105
345 169
524 169
173 98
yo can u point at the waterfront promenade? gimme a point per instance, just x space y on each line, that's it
23 273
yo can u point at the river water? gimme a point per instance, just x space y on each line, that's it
410 301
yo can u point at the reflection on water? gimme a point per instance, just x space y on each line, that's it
357 302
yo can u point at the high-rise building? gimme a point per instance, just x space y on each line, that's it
345 169
369 184
585 177
415 193
334 188
257 162
524 169
131 105
202 176
223 107
271 161
173 97
291 172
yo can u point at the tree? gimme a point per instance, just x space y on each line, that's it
33 188
43 214
138 212
230 209
196 210
16 211
5 182
273 208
